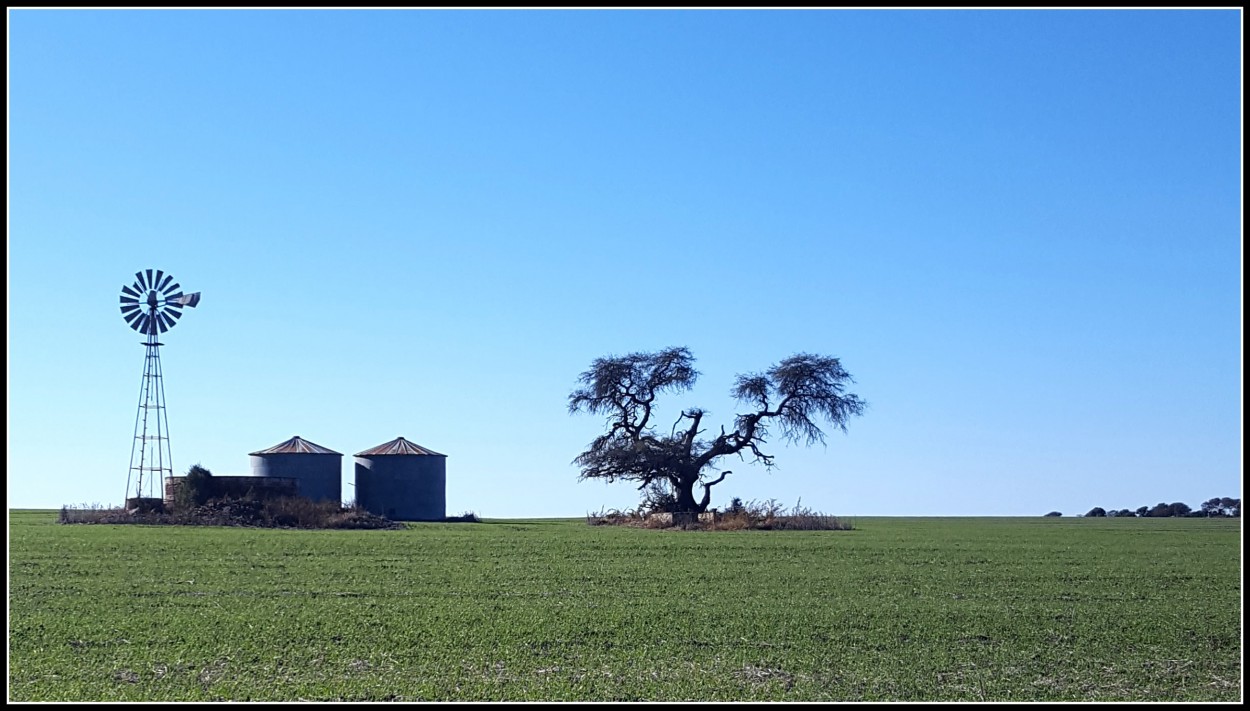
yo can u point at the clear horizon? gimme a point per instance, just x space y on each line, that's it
1020 232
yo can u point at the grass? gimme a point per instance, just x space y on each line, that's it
942 609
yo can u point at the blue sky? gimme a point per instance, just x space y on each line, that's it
1020 231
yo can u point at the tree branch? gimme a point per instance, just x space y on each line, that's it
707 489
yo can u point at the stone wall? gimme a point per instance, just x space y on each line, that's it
238 487
672 519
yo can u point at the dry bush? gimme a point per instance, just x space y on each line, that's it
466 517
356 518
769 515
616 517
773 516
299 512
93 513
733 522
603 518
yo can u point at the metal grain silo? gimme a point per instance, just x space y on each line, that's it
318 471
402 481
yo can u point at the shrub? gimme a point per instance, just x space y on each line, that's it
195 489
1097 512
1054 513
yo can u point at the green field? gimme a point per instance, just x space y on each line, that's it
953 609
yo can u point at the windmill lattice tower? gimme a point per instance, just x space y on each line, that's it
152 305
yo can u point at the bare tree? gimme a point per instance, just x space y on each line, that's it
792 395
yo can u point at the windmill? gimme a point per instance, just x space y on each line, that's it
152 305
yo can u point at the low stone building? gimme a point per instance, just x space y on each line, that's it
238 487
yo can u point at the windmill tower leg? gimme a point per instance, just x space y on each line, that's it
151 461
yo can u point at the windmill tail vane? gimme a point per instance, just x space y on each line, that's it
152 305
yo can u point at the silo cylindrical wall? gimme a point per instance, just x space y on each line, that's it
319 476
403 487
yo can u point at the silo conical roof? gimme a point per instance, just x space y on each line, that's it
297 445
399 445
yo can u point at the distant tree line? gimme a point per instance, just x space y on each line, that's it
1211 508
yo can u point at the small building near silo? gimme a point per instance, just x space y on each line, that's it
317 471
402 481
